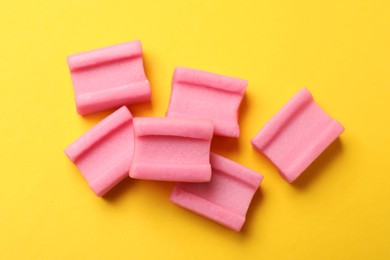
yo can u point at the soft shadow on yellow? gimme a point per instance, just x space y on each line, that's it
319 166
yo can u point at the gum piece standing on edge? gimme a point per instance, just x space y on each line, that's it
104 153
201 94
109 77
297 135
172 149
226 198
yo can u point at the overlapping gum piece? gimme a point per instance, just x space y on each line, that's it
172 149
226 198
297 135
109 77
201 94
104 153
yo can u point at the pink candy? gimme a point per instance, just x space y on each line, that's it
172 149
104 153
177 147
297 135
226 198
201 94
109 77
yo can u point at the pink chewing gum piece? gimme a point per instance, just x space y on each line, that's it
297 135
226 198
172 149
104 153
201 94
109 77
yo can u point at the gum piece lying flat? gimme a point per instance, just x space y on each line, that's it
297 135
226 198
172 149
109 77
201 94
104 153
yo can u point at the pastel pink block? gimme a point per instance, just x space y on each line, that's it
104 153
297 135
172 149
201 94
226 198
109 77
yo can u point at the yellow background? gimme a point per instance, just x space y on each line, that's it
339 50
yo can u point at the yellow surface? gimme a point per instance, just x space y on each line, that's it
340 50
